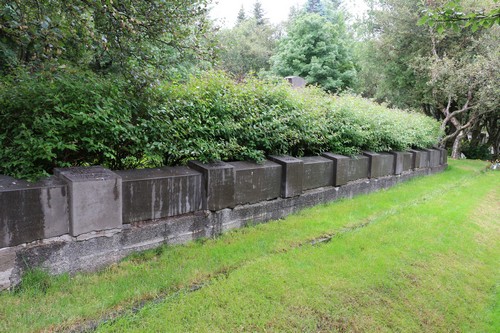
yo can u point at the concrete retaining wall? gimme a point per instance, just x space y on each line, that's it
85 218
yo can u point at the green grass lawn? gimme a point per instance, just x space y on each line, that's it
423 256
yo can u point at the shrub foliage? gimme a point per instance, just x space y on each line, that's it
79 119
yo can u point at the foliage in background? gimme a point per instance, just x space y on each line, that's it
452 15
467 92
476 152
75 119
242 16
247 48
258 13
141 39
450 76
315 6
389 43
316 48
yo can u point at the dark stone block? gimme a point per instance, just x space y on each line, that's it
407 161
340 168
398 162
218 184
415 158
150 194
434 157
32 211
358 167
380 164
402 161
443 158
291 176
95 198
318 172
424 160
256 182
420 158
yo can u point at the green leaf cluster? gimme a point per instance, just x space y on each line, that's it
67 119
453 15
211 117
247 47
140 39
79 118
316 49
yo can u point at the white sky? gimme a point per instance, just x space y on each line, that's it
276 11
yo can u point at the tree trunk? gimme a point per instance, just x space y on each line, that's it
476 134
456 151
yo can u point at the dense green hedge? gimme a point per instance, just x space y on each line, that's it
80 119
64 120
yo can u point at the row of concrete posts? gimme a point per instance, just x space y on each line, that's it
82 200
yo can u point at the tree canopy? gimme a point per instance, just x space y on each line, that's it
315 48
242 16
451 74
453 15
131 36
258 13
315 6
247 47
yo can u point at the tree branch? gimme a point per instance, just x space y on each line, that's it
461 128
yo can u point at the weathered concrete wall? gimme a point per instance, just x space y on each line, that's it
380 164
95 201
150 194
403 161
434 157
318 172
256 182
443 156
291 175
420 159
359 167
218 184
86 218
32 211
340 168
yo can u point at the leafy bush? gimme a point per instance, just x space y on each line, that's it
64 120
79 119
210 117
479 152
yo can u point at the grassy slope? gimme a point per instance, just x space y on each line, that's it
425 260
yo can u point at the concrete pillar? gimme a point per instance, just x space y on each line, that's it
402 161
218 184
381 164
340 168
291 176
95 198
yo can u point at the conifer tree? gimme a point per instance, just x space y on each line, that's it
258 13
316 49
315 6
241 15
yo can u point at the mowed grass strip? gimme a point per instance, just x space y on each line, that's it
279 257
